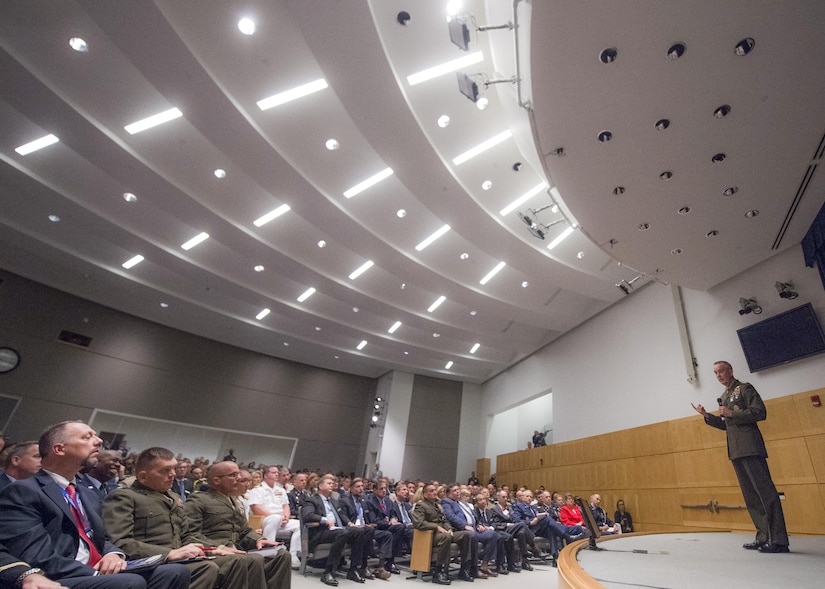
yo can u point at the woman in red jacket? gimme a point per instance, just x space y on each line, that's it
571 514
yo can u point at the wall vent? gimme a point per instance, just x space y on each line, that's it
77 339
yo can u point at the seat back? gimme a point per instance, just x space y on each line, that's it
422 551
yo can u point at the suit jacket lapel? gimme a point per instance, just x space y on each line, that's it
55 493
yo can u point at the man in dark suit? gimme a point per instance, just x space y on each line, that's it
428 515
22 461
43 521
502 517
328 522
183 485
381 514
360 512
401 514
101 476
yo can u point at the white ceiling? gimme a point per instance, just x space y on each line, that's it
146 57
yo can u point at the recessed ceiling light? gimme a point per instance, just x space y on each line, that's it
486 185
33 146
744 46
286 344
78 44
436 303
164 305
473 313
482 103
355 309
273 214
605 136
482 147
394 326
448 365
540 187
562 236
608 55
332 144
258 268
662 124
406 353
220 173
684 210
666 175
54 218
443 121
132 262
306 294
361 269
475 348
722 111
371 181
677 251
246 26
129 197
293 94
712 233
322 244
262 314
445 68
718 158
441 231
676 51
317 328
464 256
644 226
403 285
401 213
618 190
751 214
730 191
436 335
580 255
199 238
525 284
362 345
336 357
492 273
153 121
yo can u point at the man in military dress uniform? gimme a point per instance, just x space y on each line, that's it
428 515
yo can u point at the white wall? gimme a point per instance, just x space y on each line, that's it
624 368
513 428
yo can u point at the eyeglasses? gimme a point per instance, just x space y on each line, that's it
234 475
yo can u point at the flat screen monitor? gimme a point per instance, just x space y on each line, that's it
459 33
783 338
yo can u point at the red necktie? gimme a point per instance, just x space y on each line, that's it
94 555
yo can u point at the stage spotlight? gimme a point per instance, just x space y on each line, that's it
786 291
749 306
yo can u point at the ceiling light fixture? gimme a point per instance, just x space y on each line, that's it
562 236
445 68
448 365
744 47
322 244
199 238
486 185
401 213
492 273
371 181
538 230
54 218
361 269
712 233
443 121
258 268
730 191
436 304
677 251
293 94
752 213
164 305
662 124
482 147
718 158
626 286
676 51
246 26
78 44
475 348
129 197
525 284
482 103
605 136
153 121
749 306
361 346
306 294
33 146
464 256
220 173
522 199
786 291
608 55
421 246
132 262
332 144
262 314
273 214
722 111
394 327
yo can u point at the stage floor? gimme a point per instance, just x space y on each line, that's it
703 560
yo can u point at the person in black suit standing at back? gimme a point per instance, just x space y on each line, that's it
332 525
43 521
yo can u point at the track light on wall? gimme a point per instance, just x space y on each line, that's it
539 230
749 306
786 291
377 412
626 286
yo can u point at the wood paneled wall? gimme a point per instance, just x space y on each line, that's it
659 468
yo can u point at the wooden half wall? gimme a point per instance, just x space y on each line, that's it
676 476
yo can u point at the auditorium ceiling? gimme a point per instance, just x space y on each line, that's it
319 193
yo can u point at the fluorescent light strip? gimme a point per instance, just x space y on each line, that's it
562 236
371 181
361 269
362 345
432 238
262 314
37 144
294 94
482 147
437 303
195 241
475 348
274 214
448 365
522 199
132 262
306 294
394 327
445 68
153 121
492 273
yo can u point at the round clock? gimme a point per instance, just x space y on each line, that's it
9 360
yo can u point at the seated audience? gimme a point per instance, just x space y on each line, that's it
623 517
298 494
402 515
461 516
543 525
183 485
505 547
381 514
606 525
218 516
148 519
328 523
360 514
44 521
270 501
429 515
22 461
570 513
520 532
101 477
